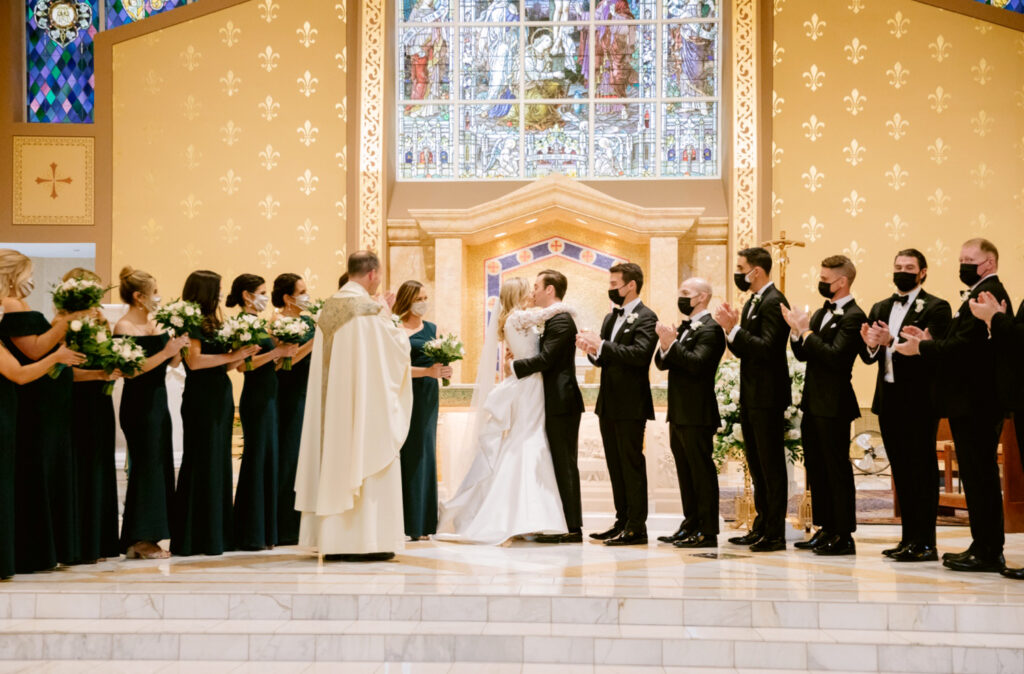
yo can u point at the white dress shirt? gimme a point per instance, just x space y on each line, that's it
896 317
685 332
627 309
750 311
840 303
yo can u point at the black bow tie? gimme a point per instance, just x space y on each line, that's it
618 312
900 299
829 306
684 325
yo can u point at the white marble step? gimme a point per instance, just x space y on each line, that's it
546 643
911 616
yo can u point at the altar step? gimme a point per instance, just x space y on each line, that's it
586 631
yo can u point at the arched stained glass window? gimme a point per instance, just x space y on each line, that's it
59 60
504 89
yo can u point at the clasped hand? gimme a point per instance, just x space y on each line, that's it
588 342
799 321
666 334
987 306
727 317
875 334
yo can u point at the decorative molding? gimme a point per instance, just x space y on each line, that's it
64 165
371 152
745 178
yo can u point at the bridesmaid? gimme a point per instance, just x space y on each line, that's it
92 445
256 498
45 527
146 422
418 455
201 521
290 298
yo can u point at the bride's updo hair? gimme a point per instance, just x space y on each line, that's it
513 294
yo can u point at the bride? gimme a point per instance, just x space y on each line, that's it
510 489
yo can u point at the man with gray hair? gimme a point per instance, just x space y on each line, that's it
691 353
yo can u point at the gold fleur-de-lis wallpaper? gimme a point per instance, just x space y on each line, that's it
227 135
896 125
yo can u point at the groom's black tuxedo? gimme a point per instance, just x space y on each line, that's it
563 405
624 404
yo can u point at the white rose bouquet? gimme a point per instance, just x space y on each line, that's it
87 336
77 294
445 349
315 307
180 318
241 331
292 331
124 354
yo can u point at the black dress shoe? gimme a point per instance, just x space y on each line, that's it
682 533
605 535
629 537
571 537
748 539
840 544
946 556
900 547
972 562
769 545
812 541
698 540
1016 574
916 552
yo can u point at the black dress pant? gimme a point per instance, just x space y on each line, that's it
764 445
826 442
692 448
563 431
623 441
976 440
909 438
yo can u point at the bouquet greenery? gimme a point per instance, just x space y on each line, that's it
445 349
315 307
180 318
77 294
122 353
729 440
292 331
241 331
91 337
86 336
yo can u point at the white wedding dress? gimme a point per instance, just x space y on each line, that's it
510 489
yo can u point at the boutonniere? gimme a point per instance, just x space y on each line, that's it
838 312
755 300
694 325
919 306
964 294
631 319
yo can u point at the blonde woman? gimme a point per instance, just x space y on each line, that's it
511 489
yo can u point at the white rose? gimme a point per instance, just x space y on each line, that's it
737 433
794 434
246 336
189 311
101 337
177 321
76 326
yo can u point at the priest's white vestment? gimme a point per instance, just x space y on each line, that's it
348 484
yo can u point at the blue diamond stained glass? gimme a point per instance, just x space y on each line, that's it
60 79
120 12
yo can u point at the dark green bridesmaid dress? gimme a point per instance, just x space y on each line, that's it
92 445
146 422
419 453
291 405
201 518
45 526
256 497
8 413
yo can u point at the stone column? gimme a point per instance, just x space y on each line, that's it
663 281
448 274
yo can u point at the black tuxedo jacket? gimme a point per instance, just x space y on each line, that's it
557 364
692 364
1008 336
760 345
913 387
625 363
830 352
966 362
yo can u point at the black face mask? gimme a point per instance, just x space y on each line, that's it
685 305
969 273
740 279
905 281
614 296
825 290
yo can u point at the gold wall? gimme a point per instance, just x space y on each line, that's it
229 142
896 124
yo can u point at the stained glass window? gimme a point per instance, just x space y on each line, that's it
1012 5
514 89
59 44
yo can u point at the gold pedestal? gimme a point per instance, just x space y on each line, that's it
804 513
745 510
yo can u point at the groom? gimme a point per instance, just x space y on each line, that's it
563 403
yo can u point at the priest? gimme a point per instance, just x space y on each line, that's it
348 483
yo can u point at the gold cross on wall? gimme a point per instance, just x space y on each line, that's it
53 180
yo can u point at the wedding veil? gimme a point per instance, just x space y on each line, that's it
486 370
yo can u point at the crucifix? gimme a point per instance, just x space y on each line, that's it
781 245
53 180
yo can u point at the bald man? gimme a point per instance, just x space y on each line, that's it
690 353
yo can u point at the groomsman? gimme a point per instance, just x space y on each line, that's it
758 338
967 366
905 402
829 343
624 405
691 354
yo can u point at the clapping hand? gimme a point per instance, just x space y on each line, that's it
875 334
666 335
987 306
912 336
588 342
798 320
727 317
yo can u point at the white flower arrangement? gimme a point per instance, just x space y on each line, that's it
445 349
292 331
241 331
77 294
919 305
180 318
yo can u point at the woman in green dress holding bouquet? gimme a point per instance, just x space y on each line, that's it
146 421
201 522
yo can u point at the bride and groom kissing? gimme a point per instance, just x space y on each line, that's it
524 479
